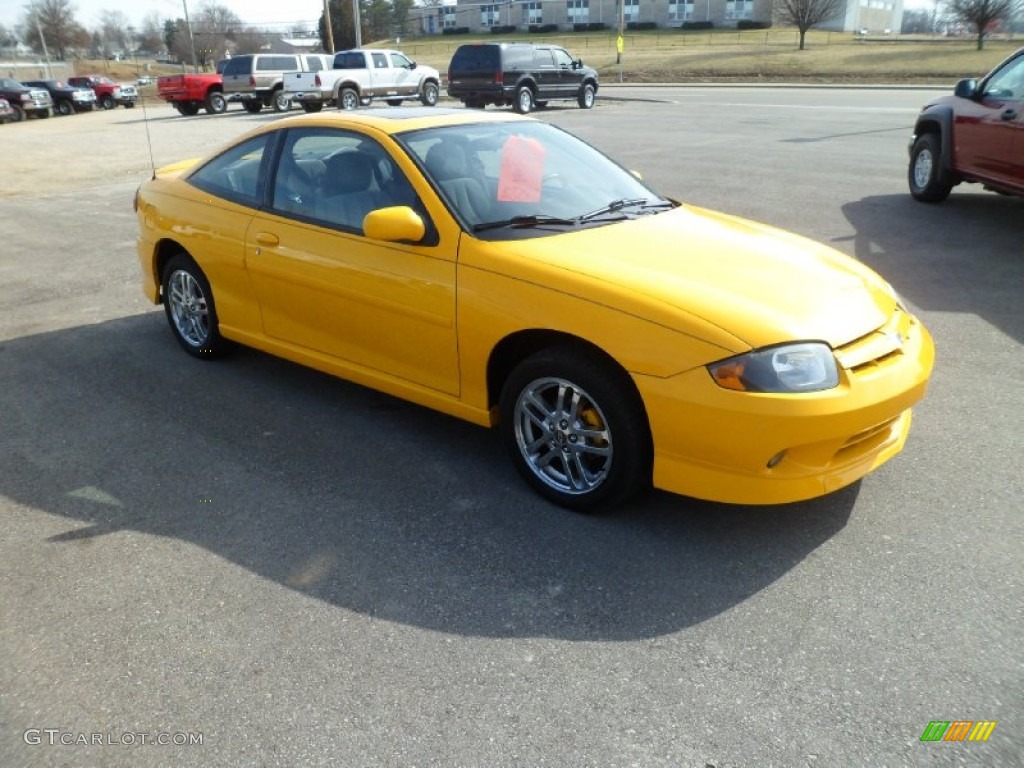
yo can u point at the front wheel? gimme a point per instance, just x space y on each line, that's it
65 107
430 94
524 100
586 96
925 166
576 429
191 313
107 102
215 103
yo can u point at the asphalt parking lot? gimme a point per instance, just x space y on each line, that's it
301 572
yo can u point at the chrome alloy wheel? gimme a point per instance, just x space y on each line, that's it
923 168
188 308
563 436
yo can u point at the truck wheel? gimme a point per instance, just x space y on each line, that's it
923 173
524 100
312 106
107 101
253 106
430 94
348 99
586 96
19 113
64 107
188 107
129 104
281 101
42 114
215 103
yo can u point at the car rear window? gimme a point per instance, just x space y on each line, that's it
475 58
240 65
349 61
277 63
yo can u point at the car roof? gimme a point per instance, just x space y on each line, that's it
396 119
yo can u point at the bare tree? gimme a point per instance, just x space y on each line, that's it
151 33
56 20
804 14
982 14
113 31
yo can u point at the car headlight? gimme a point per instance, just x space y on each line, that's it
803 367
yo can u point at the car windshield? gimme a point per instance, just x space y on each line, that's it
526 178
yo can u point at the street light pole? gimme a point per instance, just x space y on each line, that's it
191 40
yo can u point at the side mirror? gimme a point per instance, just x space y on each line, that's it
412 65
578 64
966 89
395 224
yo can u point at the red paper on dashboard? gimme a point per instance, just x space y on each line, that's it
522 171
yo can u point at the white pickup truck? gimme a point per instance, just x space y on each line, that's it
361 75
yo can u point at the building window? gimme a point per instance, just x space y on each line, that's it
489 15
680 10
739 9
448 16
578 11
631 10
532 13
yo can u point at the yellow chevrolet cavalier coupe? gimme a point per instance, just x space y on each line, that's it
500 270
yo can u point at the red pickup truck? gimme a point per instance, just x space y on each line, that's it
187 92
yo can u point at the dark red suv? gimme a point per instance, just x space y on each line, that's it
975 135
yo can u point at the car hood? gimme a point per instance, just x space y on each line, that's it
733 282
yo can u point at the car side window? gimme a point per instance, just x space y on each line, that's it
380 61
562 58
234 174
336 177
1007 83
542 59
398 60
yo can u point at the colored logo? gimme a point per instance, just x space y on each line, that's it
958 730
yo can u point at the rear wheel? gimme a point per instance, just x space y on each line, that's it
348 99
430 94
586 96
923 174
576 429
215 103
523 103
191 313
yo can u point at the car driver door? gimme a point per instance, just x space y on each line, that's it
323 286
989 128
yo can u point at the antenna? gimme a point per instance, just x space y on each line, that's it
149 139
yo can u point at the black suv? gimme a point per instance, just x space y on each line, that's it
525 75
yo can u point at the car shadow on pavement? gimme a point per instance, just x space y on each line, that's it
963 255
358 499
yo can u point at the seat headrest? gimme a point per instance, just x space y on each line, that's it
348 172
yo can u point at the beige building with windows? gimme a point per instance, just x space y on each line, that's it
480 17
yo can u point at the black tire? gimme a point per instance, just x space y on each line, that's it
107 101
64 107
252 106
586 96
312 106
394 102
523 103
129 105
348 99
924 171
429 94
587 458
188 108
19 113
42 114
190 308
215 103
281 101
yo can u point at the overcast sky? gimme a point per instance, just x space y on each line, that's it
277 14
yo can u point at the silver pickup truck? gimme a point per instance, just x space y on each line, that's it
360 75
256 79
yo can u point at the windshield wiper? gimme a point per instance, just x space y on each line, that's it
536 220
612 207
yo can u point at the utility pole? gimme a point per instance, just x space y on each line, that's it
191 40
46 55
358 24
330 30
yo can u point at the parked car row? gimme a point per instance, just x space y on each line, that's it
41 98
524 75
